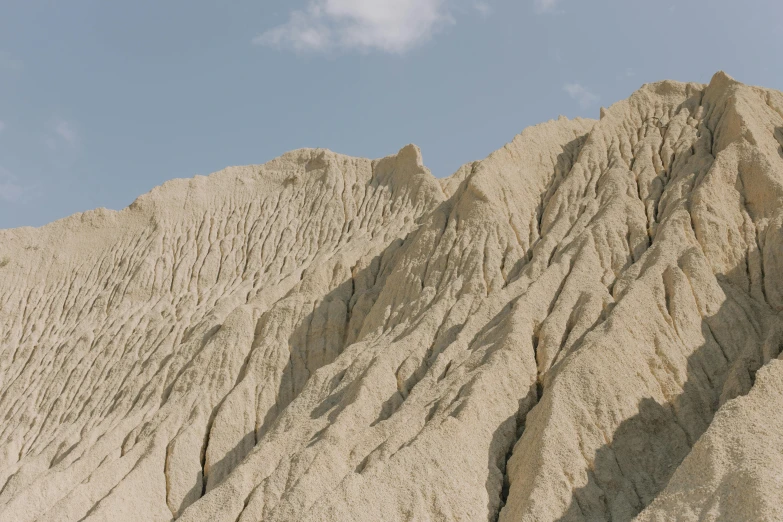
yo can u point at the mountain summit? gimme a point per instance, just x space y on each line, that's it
585 325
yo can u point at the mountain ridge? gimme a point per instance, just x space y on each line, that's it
585 325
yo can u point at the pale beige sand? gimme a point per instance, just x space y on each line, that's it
583 326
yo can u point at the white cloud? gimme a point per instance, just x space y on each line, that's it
546 6
577 92
392 26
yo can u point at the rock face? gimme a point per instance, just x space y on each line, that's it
586 325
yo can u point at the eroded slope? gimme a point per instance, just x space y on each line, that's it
566 330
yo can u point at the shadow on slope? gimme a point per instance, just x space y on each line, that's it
316 340
646 449
357 295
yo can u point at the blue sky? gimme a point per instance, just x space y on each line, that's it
101 101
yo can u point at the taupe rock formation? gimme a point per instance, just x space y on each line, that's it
586 325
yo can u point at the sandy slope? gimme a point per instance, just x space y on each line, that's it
582 326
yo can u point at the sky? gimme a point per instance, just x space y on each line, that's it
102 101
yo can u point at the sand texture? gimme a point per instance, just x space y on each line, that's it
585 325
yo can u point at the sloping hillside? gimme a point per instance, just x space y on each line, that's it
586 325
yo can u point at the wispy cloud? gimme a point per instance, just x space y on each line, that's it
62 134
624 75
10 189
546 6
484 8
579 93
393 26
66 131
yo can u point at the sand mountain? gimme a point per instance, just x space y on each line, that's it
586 325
